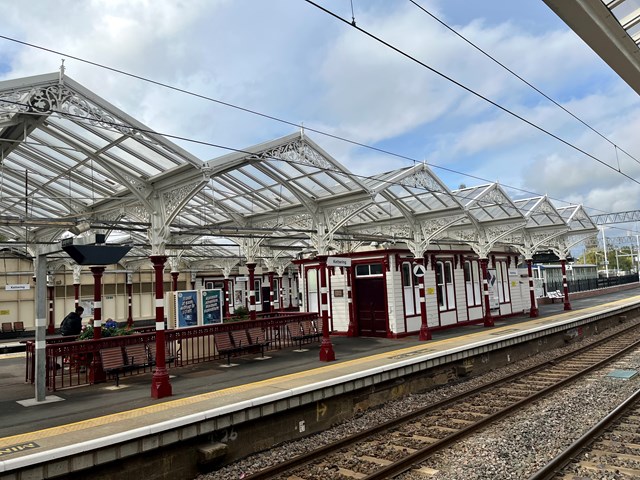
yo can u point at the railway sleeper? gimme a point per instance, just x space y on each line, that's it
619 456
619 445
599 468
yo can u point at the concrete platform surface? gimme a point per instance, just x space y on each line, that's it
84 415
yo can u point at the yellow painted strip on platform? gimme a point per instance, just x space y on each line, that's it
172 404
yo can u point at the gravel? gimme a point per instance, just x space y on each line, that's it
512 449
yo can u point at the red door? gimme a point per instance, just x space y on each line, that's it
371 307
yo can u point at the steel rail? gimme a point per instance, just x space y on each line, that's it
406 463
304 459
554 467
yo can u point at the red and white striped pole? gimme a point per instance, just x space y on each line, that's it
160 385
326 348
533 310
565 286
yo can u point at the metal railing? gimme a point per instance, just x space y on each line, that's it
70 363
592 283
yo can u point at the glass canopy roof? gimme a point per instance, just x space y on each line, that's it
71 163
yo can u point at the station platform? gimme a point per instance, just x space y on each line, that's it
99 423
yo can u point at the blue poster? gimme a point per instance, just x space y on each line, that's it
211 306
187 308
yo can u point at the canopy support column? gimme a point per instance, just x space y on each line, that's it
533 309
160 385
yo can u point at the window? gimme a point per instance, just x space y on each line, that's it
410 290
369 270
313 299
502 278
444 285
276 289
472 283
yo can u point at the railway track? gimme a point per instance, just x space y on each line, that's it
399 445
611 447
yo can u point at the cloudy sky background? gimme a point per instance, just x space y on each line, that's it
287 59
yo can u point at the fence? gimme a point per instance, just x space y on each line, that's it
73 363
592 283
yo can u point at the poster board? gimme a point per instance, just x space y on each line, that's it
186 308
492 281
211 303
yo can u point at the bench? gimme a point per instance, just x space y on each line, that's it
298 334
114 362
137 354
257 339
557 295
225 345
168 358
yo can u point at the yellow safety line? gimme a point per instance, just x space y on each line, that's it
172 404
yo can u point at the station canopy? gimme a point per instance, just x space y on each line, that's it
72 164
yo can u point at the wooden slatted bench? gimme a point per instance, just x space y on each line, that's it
257 339
137 354
297 334
114 362
310 330
224 345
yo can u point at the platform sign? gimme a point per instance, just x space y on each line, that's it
211 302
338 262
18 286
419 270
186 308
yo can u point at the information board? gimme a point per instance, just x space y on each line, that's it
211 302
186 308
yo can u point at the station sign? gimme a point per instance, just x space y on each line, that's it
419 270
18 286
338 262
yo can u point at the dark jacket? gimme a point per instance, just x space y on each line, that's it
71 325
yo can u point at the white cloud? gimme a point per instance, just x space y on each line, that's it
291 61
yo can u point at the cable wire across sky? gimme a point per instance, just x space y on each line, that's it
337 137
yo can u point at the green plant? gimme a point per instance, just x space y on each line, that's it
87 333
241 313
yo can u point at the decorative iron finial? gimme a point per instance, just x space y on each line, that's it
302 130
61 79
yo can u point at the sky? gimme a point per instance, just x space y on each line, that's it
288 59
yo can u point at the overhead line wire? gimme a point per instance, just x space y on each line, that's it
468 89
287 122
444 24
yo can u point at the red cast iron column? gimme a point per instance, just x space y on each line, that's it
51 328
425 333
76 295
565 287
227 298
96 374
271 304
488 319
129 300
160 385
326 348
252 292
174 281
281 293
97 301
533 310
